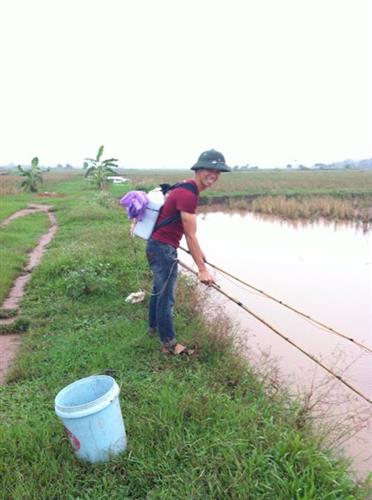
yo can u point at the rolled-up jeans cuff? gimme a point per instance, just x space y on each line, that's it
170 343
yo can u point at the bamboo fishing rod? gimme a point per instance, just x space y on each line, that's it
313 358
308 317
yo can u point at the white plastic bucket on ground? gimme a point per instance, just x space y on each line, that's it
90 411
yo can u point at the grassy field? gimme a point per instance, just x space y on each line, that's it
271 182
341 194
198 427
344 195
341 183
16 240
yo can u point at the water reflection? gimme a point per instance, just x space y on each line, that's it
321 268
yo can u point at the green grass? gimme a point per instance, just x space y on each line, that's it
11 204
17 239
199 427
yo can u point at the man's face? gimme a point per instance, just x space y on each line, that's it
208 177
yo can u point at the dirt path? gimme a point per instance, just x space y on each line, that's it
9 344
32 209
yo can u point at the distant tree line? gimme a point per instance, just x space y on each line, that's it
340 165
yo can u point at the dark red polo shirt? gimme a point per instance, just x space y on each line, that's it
177 200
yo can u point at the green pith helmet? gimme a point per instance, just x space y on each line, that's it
211 160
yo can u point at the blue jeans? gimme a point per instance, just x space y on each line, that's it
162 259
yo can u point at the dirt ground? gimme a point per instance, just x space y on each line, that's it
9 345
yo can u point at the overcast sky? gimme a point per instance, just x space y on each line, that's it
266 82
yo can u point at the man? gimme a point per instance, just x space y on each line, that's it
178 218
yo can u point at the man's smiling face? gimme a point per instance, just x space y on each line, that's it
207 177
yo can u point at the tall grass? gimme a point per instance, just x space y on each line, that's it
9 184
306 208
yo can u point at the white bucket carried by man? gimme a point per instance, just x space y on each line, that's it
143 209
90 411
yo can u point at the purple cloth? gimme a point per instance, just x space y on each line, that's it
135 202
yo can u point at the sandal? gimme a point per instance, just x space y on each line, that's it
177 350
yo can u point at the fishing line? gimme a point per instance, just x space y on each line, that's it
306 316
308 319
133 245
242 287
313 358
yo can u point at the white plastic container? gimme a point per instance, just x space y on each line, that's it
90 411
144 228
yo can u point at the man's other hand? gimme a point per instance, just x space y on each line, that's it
205 277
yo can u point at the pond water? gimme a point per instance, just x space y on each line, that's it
322 269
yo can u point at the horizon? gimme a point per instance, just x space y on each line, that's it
246 165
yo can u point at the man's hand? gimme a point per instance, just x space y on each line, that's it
205 277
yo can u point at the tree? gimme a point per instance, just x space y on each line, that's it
32 176
98 170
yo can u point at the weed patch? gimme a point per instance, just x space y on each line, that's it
19 325
8 313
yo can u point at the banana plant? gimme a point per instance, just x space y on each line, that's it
32 176
98 170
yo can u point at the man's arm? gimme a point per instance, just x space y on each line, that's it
189 227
